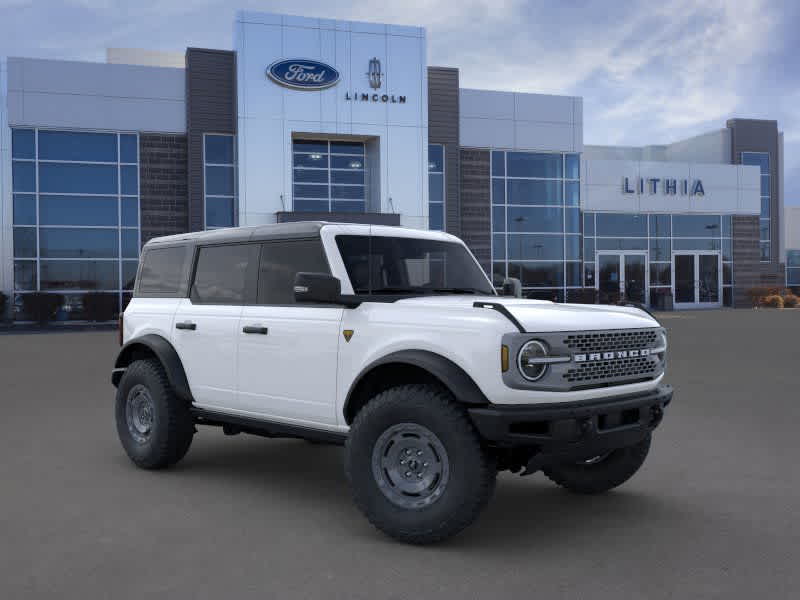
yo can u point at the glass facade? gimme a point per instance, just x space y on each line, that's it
219 169
761 160
536 221
328 176
793 268
436 186
76 215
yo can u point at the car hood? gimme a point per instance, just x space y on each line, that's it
542 316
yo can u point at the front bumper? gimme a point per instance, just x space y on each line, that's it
566 431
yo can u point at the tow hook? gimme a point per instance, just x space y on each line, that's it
656 414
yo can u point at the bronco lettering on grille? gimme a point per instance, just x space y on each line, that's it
610 355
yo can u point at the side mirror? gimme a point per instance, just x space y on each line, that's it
317 287
512 287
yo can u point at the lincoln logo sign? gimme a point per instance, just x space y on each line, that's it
667 186
302 74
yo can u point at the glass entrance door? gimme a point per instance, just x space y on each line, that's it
697 279
622 276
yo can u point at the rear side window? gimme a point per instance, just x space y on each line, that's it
221 274
163 272
281 261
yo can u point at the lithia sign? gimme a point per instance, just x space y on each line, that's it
667 186
306 74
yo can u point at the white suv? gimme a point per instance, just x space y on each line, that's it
393 342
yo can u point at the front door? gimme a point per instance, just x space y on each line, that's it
697 279
622 276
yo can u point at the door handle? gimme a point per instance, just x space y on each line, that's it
186 325
255 329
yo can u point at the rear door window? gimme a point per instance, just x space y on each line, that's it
221 274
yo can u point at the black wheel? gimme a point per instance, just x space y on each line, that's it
154 426
416 465
600 473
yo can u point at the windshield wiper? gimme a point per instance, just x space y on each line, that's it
458 290
394 290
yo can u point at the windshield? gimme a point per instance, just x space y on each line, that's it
396 265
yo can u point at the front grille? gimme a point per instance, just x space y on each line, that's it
611 340
619 368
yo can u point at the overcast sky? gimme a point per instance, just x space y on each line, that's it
650 72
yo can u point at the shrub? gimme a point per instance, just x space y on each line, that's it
773 301
758 295
790 301
98 306
41 306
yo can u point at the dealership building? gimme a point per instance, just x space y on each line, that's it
317 119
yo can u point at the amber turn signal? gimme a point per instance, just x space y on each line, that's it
504 358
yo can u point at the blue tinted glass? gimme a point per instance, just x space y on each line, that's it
621 244
310 191
526 191
793 277
572 220
347 192
129 273
347 148
660 249
78 243
24 209
499 246
313 175
24 242
498 218
573 166
538 220
588 224
572 246
77 179
766 251
764 229
25 275
129 180
695 244
348 206
765 185
309 146
219 149
128 149
23 176
345 162
130 243
357 177
793 258
759 159
573 274
77 210
498 163
219 181
435 158
530 164
572 189
498 273
436 187
219 212
498 191
727 226
727 249
436 217
23 144
80 275
696 225
588 249
588 271
765 208
74 145
660 226
313 161
660 274
130 212
535 247
543 274
311 205
621 225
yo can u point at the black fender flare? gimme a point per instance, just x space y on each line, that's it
164 352
453 377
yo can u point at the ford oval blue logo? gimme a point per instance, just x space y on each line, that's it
303 74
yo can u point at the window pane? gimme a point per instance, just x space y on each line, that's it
588 224
79 275
588 249
544 274
357 177
219 149
219 181
436 187
763 229
573 274
498 164
529 164
498 191
130 243
24 242
765 251
539 220
77 179
573 166
77 210
311 175
727 249
765 185
759 159
572 220
347 148
220 274
346 162
78 243
128 149
129 273
347 192
660 249
435 158
316 161
24 209
572 245
793 277
696 225
661 274
74 145
623 225
727 273
588 274
535 247
436 216
311 205
498 273
621 243
23 176
499 247
310 146
793 258
348 206
23 144
660 226
695 244
572 189
521 191
280 263
765 208
25 275
129 180
727 226
219 212
310 191
130 212
163 270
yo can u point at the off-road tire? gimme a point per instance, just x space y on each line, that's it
472 471
172 427
610 472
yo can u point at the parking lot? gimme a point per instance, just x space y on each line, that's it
715 512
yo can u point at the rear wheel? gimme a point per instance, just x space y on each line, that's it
416 465
154 426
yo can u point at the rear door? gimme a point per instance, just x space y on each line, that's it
287 351
205 325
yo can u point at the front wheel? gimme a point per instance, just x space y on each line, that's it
416 465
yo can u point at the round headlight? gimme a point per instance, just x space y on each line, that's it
526 360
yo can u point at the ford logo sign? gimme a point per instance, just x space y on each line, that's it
303 74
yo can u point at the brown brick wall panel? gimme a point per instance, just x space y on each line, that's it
443 128
163 185
746 254
476 216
